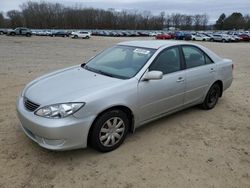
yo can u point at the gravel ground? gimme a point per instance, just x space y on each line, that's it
192 148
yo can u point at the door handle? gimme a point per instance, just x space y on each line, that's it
212 70
180 79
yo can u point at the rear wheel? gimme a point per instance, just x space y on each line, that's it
212 97
12 34
109 130
75 36
28 34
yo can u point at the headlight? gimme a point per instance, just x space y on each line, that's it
59 110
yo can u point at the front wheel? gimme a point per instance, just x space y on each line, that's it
109 131
212 97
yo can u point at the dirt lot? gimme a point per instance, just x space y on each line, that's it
192 148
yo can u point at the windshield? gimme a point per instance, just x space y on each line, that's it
120 61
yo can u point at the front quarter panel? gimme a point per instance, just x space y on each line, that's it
124 94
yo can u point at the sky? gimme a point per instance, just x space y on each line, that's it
211 7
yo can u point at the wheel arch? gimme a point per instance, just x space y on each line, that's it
123 108
220 83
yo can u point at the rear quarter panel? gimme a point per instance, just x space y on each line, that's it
225 72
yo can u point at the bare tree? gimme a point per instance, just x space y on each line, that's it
2 21
16 19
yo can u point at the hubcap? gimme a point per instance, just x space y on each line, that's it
213 96
112 131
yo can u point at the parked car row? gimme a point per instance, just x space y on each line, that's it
61 33
18 31
21 31
202 36
226 36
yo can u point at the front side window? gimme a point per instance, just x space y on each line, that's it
167 62
120 61
193 56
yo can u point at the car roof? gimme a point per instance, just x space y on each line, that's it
154 44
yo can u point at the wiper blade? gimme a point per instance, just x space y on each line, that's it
97 71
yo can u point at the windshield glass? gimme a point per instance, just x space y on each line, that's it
120 61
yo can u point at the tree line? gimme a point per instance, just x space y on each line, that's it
234 21
45 15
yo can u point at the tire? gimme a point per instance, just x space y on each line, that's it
1 33
212 97
28 35
193 39
75 36
12 34
203 39
105 136
212 40
87 37
223 40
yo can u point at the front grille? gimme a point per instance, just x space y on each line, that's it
31 106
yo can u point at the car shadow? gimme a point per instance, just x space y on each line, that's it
89 152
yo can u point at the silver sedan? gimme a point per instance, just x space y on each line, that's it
99 102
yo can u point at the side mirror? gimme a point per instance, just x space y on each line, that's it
152 75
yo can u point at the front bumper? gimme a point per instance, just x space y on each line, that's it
55 134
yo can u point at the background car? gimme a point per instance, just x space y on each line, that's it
3 31
180 35
244 37
221 38
21 31
59 34
80 34
163 36
200 37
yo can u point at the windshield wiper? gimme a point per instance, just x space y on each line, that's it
97 71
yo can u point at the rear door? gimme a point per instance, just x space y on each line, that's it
157 97
200 73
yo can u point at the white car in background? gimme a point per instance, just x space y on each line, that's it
80 34
155 33
200 37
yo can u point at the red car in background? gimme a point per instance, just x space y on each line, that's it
163 36
244 37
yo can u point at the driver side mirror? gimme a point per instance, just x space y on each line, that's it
152 75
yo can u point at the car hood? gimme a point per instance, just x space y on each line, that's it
68 85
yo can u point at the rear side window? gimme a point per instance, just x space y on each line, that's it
194 57
208 60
